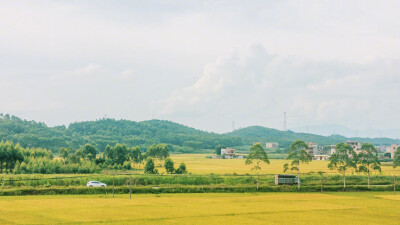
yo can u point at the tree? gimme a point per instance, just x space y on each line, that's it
343 159
89 151
136 155
181 169
108 152
298 154
79 154
149 167
119 154
326 149
218 148
64 153
396 158
368 159
396 163
169 165
257 153
159 151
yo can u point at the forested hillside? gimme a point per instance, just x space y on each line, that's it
285 138
109 131
179 138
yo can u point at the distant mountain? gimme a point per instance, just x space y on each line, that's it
284 138
331 129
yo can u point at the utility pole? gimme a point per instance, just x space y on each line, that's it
284 121
113 184
322 180
394 182
233 125
130 186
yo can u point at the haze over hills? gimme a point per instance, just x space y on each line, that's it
284 138
180 138
334 129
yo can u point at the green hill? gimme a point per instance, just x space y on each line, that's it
110 131
180 138
284 138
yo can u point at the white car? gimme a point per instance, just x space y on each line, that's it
95 184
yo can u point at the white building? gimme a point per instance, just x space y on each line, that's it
230 153
321 157
272 145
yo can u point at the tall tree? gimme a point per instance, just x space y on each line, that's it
119 153
396 163
343 159
259 155
136 155
64 152
368 160
298 154
169 165
396 158
149 167
218 148
89 151
159 151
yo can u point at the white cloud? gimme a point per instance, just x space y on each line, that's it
78 60
256 87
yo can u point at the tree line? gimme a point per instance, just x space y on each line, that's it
343 160
19 160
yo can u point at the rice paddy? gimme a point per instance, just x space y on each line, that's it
199 164
233 208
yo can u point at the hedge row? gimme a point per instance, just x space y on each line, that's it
183 189
157 180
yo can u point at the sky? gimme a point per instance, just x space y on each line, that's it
203 63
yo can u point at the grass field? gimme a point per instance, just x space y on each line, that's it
199 164
250 208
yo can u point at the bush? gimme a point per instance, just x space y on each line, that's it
181 169
150 167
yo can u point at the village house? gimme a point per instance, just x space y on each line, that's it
321 157
332 149
356 145
272 145
312 148
228 153
392 149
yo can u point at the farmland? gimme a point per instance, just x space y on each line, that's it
231 208
199 164
205 175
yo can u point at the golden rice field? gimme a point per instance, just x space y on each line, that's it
249 208
199 164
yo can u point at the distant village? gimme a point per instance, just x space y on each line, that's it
316 151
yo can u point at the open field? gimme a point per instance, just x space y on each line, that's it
249 208
199 164
205 175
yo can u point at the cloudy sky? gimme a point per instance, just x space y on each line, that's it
203 63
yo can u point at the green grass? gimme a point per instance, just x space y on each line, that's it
216 208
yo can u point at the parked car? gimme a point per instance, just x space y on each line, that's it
95 184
